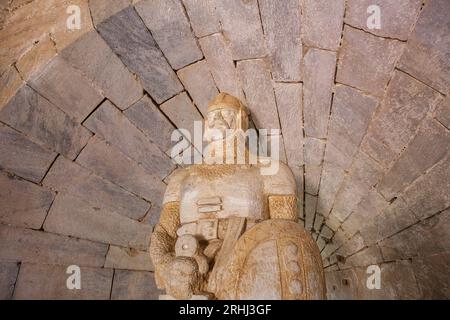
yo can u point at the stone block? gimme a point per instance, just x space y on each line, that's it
103 9
366 257
67 88
198 81
281 23
355 244
182 112
376 56
332 177
130 39
94 58
351 114
430 145
289 103
257 84
314 151
202 16
443 112
312 179
70 178
24 204
22 156
128 259
397 17
10 83
406 103
110 124
241 24
310 210
220 61
32 62
430 193
112 165
25 245
170 28
366 170
318 221
322 23
431 274
347 198
319 70
42 122
151 121
426 54
134 285
8 276
48 282
75 217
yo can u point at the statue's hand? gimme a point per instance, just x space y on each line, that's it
181 278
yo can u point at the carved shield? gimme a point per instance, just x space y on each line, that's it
275 259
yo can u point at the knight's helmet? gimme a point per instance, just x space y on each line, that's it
227 101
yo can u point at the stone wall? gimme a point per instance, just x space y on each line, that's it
86 118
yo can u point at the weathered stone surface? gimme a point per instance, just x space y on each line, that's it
364 258
67 88
32 62
281 23
332 223
129 38
171 30
314 153
319 69
134 285
351 246
8 276
220 61
375 55
322 23
318 221
103 9
350 118
242 25
32 21
198 81
128 259
182 112
432 275
348 196
24 204
310 210
406 103
109 123
68 177
426 55
332 177
430 193
425 238
429 146
257 84
202 16
24 245
443 112
112 165
48 282
290 109
10 83
73 216
394 218
397 17
94 58
43 122
23 157
152 122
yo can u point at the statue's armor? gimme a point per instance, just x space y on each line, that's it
237 192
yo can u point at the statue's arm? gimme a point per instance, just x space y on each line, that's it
281 193
162 245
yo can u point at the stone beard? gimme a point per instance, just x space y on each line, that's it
228 232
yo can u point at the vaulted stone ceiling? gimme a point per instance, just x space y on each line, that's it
86 118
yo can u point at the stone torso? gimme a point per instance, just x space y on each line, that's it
220 192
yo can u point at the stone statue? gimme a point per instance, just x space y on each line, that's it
228 232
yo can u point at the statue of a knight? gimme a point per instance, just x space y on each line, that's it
228 231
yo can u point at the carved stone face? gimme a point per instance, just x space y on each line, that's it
218 122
